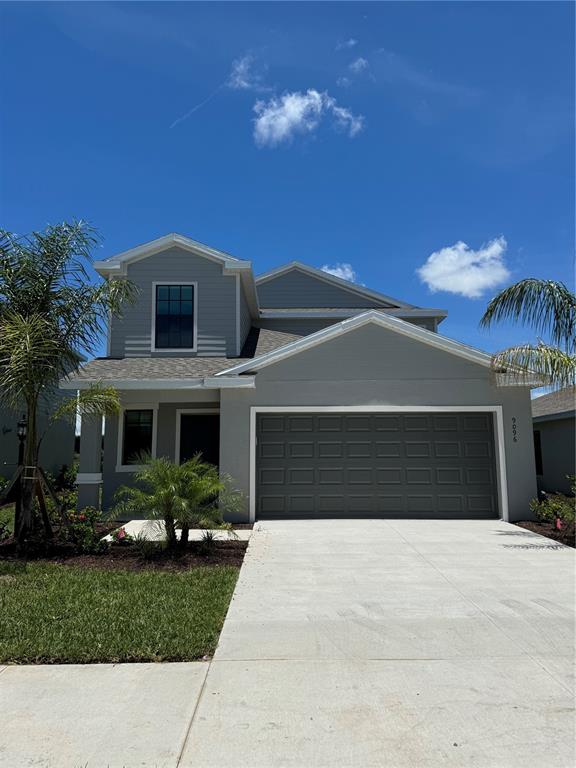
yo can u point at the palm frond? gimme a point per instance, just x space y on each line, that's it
30 356
527 362
97 400
547 305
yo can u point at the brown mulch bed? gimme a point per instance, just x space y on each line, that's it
564 536
126 557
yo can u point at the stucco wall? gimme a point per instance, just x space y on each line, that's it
374 366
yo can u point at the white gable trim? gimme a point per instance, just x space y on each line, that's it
339 329
116 264
333 280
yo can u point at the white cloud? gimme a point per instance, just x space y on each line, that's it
342 270
464 271
343 82
358 65
247 74
350 43
281 118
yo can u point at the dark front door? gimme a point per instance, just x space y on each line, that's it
200 434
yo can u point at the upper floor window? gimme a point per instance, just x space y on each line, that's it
174 316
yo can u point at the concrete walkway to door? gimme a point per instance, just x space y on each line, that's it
393 643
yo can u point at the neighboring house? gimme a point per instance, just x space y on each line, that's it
554 439
56 449
320 397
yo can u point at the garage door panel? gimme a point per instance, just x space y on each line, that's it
411 464
388 450
301 450
331 476
355 450
445 423
301 476
331 450
447 449
391 504
419 476
417 450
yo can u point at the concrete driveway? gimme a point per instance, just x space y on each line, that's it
348 644
393 643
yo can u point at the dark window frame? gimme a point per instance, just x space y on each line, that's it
130 425
175 316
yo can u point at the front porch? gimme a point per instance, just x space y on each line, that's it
161 423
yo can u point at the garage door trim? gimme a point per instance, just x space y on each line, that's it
494 409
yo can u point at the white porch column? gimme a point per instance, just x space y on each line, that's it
89 478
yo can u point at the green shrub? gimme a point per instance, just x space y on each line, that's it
556 507
79 530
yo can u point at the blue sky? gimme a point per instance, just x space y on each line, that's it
375 135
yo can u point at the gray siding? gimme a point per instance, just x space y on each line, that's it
298 289
245 319
215 306
306 326
346 372
299 327
557 439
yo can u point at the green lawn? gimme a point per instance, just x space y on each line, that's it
7 517
61 614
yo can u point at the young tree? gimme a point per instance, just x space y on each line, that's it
51 313
550 308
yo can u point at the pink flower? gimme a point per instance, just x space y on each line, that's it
121 533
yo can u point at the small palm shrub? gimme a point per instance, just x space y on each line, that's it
178 495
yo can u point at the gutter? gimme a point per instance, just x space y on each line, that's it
209 382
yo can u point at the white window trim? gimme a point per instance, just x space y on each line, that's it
194 412
135 407
502 484
153 346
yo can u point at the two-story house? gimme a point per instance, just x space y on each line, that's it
318 396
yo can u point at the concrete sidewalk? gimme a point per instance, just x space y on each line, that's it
405 644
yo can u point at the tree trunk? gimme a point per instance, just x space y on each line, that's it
26 521
184 535
170 531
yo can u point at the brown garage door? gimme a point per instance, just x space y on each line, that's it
397 465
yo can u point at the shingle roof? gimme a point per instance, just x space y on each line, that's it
108 369
555 402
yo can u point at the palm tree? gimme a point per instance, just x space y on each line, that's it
550 308
50 313
178 495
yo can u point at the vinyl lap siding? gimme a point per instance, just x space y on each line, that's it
297 289
215 306
306 326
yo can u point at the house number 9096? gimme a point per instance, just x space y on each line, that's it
514 429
